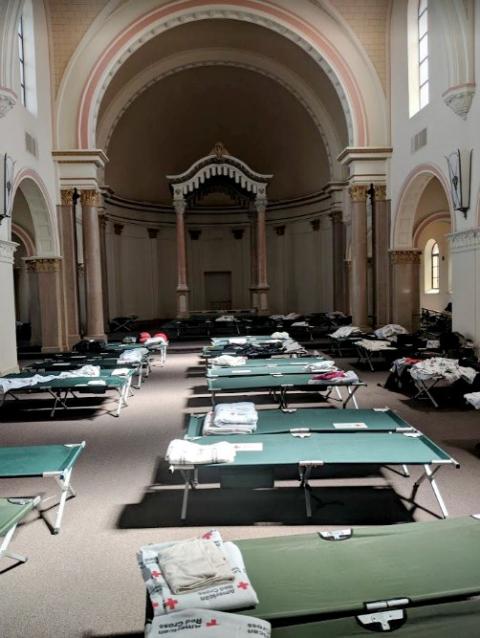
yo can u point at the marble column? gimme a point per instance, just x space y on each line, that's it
253 260
381 261
66 219
103 255
262 282
338 236
155 293
95 328
182 279
8 350
117 269
47 272
405 287
359 277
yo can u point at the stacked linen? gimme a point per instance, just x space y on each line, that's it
200 623
228 360
231 418
154 341
133 356
446 371
181 452
345 331
390 331
334 377
236 593
322 366
473 398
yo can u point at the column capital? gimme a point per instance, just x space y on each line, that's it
90 197
380 192
315 224
358 192
7 250
117 228
43 264
405 256
260 204
66 197
152 233
180 206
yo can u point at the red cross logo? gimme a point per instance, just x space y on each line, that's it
242 585
171 603
212 623
156 574
207 535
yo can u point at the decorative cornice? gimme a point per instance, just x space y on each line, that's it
405 256
43 264
7 250
358 192
66 197
351 153
459 99
8 99
90 197
465 240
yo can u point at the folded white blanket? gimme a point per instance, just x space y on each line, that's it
180 452
133 356
239 341
120 372
193 564
200 623
345 331
473 398
322 366
237 594
374 345
390 330
447 369
280 335
228 360
155 341
243 412
210 429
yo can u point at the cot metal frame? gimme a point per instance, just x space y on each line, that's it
4 551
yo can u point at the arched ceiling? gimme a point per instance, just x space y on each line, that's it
177 119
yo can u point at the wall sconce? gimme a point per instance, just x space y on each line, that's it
6 186
459 170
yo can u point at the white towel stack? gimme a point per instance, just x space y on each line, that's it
473 398
200 623
228 360
235 594
390 331
374 345
181 452
280 335
231 418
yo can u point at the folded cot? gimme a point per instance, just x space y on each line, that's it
45 461
386 441
415 579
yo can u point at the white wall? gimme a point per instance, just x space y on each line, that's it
13 126
446 132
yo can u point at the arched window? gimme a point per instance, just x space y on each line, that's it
418 57
435 267
21 61
423 74
26 58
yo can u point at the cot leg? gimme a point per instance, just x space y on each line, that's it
212 398
186 489
405 470
66 490
428 474
4 545
304 477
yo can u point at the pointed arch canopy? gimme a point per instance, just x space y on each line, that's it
219 162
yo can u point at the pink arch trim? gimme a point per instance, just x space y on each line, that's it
29 173
27 240
434 171
348 81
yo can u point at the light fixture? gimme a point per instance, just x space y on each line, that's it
459 170
6 186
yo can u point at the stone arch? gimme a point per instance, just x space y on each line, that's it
410 193
234 58
364 112
41 209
